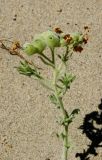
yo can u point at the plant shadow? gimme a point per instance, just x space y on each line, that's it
92 127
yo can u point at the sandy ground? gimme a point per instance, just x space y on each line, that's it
27 119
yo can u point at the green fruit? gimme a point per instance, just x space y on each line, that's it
30 49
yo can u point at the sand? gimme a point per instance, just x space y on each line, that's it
27 119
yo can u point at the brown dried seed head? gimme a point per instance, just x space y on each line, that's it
78 49
15 45
68 38
58 30
85 39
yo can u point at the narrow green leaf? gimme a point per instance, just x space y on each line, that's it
75 111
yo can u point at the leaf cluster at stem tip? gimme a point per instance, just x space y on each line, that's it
27 70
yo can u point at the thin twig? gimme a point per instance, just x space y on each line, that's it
14 51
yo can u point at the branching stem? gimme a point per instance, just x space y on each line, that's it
65 115
53 56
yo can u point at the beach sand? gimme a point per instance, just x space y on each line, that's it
27 118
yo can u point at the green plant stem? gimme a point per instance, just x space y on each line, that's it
43 55
65 140
53 56
46 84
45 62
65 144
65 114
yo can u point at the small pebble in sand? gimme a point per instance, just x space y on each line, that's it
59 10
15 17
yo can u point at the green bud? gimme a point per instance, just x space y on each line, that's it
77 37
29 49
81 38
51 39
63 42
39 44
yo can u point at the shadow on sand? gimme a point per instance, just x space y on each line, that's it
92 127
